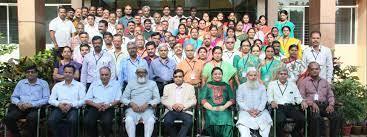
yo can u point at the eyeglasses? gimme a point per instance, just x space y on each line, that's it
31 72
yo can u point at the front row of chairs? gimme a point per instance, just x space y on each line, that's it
119 116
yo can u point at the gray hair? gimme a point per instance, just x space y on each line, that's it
161 45
130 43
145 7
106 68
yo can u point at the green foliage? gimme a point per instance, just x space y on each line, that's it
6 48
13 71
351 93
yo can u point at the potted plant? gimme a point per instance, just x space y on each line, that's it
352 94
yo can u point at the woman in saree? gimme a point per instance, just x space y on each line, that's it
245 60
231 34
216 97
215 37
58 73
285 22
286 41
268 66
229 72
294 65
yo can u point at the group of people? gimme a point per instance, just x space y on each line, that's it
184 63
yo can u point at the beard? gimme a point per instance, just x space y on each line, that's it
142 80
252 84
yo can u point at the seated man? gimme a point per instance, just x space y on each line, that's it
251 99
100 99
319 96
179 98
142 96
284 96
28 96
66 97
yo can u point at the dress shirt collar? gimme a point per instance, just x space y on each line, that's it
313 50
281 84
36 83
137 59
73 82
101 84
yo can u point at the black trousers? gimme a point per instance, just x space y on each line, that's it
293 112
161 85
90 121
169 119
14 114
71 117
317 122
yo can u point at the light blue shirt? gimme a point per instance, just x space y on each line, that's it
98 93
141 93
92 63
128 68
37 94
73 94
124 20
162 70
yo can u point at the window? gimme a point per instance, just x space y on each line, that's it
8 24
345 24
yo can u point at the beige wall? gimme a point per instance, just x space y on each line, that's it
361 39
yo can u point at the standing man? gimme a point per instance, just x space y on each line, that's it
119 53
320 54
192 67
130 64
101 98
179 99
150 47
161 68
128 16
141 96
61 30
95 60
66 97
229 52
176 19
148 31
319 96
146 14
29 95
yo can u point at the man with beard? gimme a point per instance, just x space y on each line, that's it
251 99
150 47
141 96
61 30
95 60
129 65
206 44
285 97
128 16
148 31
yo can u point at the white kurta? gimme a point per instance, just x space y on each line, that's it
253 99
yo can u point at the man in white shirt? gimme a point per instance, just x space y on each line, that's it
179 100
229 52
61 29
142 96
91 27
251 99
146 14
66 97
93 61
173 25
285 97
101 98
321 55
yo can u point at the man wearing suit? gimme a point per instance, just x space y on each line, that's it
179 98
